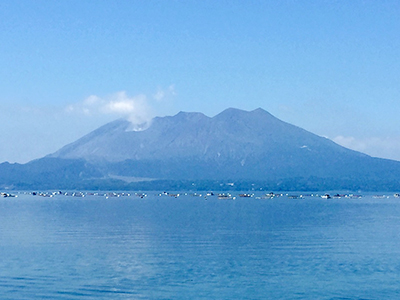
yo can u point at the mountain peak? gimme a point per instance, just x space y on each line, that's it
232 111
190 115
260 111
235 144
240 112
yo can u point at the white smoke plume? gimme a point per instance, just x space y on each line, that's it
136 109
139 109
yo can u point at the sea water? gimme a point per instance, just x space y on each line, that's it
161 247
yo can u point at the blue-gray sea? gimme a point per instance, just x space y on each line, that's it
161 247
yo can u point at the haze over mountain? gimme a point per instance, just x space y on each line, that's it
234 145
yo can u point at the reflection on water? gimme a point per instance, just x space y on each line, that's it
192 248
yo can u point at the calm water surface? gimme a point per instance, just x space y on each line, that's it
192 248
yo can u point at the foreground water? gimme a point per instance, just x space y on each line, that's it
193 248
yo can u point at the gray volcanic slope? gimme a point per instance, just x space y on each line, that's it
235 144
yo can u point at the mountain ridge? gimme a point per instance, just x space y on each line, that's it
233 145
230 126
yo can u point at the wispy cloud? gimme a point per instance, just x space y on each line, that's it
119 103
385 147
163 94
138 109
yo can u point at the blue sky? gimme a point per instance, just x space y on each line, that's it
67 67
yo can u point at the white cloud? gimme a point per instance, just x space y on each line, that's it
384 147
163 94
136 109
159 95
91 100
139 109
351 142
